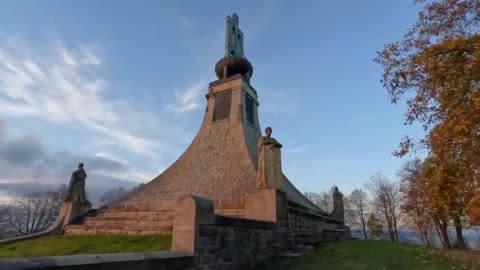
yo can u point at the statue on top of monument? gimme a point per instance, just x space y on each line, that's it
234 61
269 162
76 187
233 37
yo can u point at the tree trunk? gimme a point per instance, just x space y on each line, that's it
478 235
427 240
362 219
389 224
395 228
458 230
364 230
444 232
421 231
437 228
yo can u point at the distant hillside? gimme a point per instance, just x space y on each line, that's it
471 237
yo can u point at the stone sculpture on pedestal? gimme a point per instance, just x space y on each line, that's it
75 206
76 188
338 206
269 162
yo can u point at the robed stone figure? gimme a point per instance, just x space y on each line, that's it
269 162
76 187
338 205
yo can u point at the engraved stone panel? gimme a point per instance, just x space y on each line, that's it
249 108
223 102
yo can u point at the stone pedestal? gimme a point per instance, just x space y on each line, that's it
265 205
191 212
73 210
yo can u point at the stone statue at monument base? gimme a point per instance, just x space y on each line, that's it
338 205
75 205
76 187
269 162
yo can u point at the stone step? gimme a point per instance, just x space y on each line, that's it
158 228
86 229
133 217
231 212
145 206
108 221
134 227
75 229
149 215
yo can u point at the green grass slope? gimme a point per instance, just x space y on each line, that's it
85 244
371 255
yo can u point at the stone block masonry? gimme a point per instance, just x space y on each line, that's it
146 218
233 243
226 242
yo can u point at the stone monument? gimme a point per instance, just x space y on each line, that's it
225 199
269 162
228 162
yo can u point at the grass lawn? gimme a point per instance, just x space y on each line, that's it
85 244
371 255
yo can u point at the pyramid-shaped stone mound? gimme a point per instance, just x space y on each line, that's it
221 162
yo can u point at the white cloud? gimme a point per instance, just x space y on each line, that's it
64 86
297 149
188 99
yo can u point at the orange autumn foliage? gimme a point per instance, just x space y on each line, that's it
437 68
473 209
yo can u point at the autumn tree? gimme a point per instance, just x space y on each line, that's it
474 210
357 208
415 199
437 68
436 193
385 200
374 226
438 62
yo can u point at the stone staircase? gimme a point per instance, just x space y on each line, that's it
141 218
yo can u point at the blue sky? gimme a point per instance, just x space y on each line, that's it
122 84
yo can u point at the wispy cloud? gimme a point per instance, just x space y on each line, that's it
63 85
297 149
188 99
27 165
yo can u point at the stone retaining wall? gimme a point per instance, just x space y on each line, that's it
222 242
225 242
233 243
310 227
120 261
